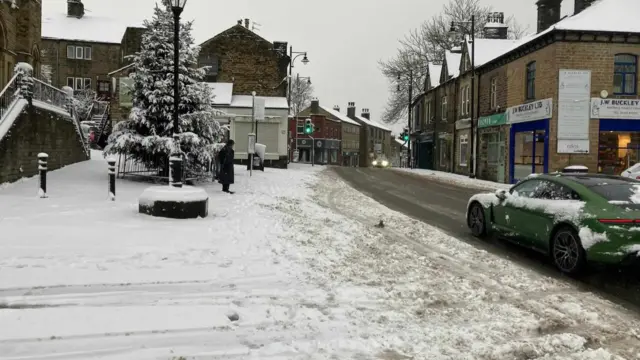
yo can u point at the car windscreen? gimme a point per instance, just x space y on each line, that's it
623 194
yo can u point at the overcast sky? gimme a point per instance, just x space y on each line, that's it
344 38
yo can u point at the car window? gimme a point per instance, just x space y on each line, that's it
526 188
553 191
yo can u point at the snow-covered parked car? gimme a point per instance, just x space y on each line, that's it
572 216
632 172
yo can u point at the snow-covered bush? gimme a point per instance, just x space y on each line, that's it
147 134
83 102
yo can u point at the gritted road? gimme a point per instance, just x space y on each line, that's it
443 205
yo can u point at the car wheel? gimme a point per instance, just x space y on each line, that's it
476 220
567 252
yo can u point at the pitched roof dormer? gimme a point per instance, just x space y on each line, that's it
444 73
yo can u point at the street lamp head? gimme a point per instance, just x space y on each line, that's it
452 29
305 60
178 4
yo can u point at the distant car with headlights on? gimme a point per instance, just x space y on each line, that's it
380 163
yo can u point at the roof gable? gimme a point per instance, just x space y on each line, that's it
237 29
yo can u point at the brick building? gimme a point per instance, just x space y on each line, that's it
325 146
81 48
566 95
20 36
242 57
375 138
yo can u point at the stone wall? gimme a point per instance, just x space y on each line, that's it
33 132
20 30
248 61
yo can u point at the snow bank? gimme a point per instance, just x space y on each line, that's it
457 179
170 193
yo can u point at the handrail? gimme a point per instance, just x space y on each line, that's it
13 79
8 96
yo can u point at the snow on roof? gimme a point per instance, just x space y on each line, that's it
340 116
246 101
92 27
434 74
453 63
372 123
222 93
489 49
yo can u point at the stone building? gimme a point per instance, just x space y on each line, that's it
326 146
375 138
242 57
20 28
424 146
80 47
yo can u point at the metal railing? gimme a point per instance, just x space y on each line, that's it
49 94
103 121
8 95
156 168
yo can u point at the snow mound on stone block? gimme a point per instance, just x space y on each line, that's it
261 150
184 194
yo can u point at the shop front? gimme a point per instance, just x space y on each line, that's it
529 138
492 157
424 151
445 150
619 133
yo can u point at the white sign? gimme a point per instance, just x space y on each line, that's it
537 110
573 146
574 94
628 109
251 149
259 108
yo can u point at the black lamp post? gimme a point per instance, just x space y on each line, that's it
305 61
409 117
175 160
454 31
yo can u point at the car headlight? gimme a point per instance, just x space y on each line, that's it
374 163
385 163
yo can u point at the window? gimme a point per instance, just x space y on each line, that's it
79 52
531 81
71 82
103 86
87 83
625 74
444 108
553 191
463 95
467 104
494 93
495 148
464 147
78 83
526 188
300 127
428 112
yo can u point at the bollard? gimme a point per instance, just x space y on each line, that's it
42 168
175 171
112 179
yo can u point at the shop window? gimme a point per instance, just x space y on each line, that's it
464 147
531 80
444 108
625 74
495 148
494 93
618 151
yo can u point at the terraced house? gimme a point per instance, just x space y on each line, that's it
566 95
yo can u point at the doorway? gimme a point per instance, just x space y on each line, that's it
528 149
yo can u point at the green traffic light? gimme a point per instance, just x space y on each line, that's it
406 138
307 129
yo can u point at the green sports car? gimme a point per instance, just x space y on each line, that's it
574 217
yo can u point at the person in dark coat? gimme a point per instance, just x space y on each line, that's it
226 157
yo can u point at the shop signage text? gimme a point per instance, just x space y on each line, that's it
537 110
628 109
492 120
574 93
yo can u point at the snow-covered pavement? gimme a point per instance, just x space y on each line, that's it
296 257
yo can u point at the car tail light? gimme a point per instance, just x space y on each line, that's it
619 221
638 177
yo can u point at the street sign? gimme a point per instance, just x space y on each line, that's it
251 149
259 108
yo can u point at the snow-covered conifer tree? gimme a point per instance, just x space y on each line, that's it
147 134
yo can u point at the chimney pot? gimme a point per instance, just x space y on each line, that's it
75 8
365 114
351 110
315 106
580 5
548 13
247 23
336 108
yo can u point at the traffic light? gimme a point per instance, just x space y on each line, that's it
308 127
405 137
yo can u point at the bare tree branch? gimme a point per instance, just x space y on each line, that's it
301 94
429 43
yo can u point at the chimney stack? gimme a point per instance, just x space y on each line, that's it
75 8
336 108
315 106
548 13
366 114
581 5
495 28
351 110
247 23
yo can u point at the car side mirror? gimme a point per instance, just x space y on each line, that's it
501 194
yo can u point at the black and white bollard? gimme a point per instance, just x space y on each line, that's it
112 179
175 171
42 168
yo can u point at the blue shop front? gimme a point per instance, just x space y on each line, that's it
529 138
619 133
